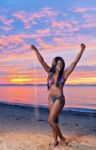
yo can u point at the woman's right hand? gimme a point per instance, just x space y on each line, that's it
33 47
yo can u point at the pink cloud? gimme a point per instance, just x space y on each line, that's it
81 74
84 9
5 41
7 24
89 25
61 24
69 27
7 28
26 46
30 19
60 45
13 44
12 39
49 12
89 21
59 40
17 43
43 32
24 17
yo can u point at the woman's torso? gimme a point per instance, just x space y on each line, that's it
57 91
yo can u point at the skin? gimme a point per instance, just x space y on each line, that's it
55 108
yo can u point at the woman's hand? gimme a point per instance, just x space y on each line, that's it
33 47
83 46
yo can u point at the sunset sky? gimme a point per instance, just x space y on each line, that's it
56 28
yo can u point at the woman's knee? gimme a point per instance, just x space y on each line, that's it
50 121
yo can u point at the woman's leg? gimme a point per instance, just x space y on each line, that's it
54 113
50 104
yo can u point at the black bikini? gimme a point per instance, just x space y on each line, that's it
60 98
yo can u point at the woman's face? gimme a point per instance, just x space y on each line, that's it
59 65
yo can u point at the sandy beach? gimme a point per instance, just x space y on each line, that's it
26 128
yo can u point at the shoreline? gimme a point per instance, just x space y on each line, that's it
82 111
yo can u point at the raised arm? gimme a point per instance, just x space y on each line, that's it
40 58
71 67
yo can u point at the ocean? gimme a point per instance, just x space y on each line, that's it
82 98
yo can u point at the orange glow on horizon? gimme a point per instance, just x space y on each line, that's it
23 80
89 80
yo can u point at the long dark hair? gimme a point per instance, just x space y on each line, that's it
53 70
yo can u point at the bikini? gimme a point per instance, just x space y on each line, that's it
62 97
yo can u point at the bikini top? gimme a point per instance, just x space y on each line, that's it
60 81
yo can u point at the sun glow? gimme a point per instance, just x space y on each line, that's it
27 80
20 80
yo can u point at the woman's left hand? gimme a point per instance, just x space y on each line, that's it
83 46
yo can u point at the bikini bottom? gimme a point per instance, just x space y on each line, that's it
61 100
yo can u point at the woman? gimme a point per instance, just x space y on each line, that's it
57 76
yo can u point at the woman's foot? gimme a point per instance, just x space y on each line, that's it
63 141
54 144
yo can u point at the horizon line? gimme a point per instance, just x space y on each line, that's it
46 84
